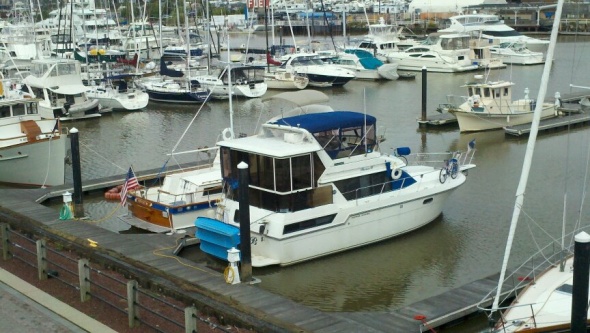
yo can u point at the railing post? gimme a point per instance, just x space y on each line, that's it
5 241
41 259
190 319
84 276
132 312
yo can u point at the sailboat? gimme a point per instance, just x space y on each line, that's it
177 89
180 88
545 304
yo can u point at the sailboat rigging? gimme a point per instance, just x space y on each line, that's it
532 321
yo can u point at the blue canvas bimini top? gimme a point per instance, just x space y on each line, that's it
320 122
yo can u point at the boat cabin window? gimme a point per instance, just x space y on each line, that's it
32 108
207 191
308 224
4 111
496 92
478 91
486 92
456 43
367 45
245 75
364 186
274 174
279 185
505 91
347 141
504 33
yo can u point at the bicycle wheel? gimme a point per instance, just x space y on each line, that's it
443 175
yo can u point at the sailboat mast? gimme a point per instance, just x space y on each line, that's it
188 46
229 85
528 157
266 34
160 27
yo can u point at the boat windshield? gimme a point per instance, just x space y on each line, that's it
505 33
306 61
455 43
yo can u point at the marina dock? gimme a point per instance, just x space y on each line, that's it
557 123
152 258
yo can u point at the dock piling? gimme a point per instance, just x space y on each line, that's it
77 173
580 283
424 86
244 206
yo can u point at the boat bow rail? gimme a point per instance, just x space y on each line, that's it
438 160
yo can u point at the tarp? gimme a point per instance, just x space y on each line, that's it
321 122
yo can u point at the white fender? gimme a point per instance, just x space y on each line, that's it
396 173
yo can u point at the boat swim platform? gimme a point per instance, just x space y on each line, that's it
151 257
572 119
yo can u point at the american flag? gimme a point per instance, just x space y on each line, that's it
130 184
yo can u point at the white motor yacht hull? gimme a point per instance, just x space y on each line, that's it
35 164
350 229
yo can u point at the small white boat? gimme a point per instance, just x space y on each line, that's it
246 81
320 74
33 149
444 53
117 95
365 65
285 81
517 53
490 26
489 105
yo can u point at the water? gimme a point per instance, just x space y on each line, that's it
465 244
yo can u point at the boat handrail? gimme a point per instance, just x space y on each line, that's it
535 263
198 150
439 158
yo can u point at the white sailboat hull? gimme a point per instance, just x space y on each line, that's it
542 306
130 101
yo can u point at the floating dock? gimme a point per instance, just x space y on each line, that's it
572 118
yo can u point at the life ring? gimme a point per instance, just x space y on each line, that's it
396 174
227 134
114 193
